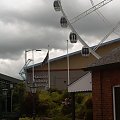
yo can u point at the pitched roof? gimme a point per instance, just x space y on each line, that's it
112 58
8 78
77 52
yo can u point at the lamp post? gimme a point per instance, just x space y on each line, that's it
32 50
5 94
33 91
33 87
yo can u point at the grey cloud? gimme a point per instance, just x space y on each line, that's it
33 38
35 25
44 16
39 26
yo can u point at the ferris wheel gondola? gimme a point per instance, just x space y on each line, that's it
85 51
73 37
56 5
63 22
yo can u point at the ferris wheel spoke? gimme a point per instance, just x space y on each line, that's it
92 9
65 22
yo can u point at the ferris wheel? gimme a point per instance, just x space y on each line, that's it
74 36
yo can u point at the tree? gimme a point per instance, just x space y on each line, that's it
19 95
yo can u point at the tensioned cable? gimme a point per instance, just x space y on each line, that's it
105 20
107 35
87 12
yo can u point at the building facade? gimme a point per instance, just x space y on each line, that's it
58 67
106 87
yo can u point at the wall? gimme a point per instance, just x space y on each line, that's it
103 82
59 66
59 78
77 61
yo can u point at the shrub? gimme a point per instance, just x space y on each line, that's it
61 118
26 118
89 115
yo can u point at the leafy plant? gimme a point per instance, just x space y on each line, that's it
53 104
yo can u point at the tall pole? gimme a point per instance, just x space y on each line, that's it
33 106
25 68
73 105
48 68
33 85
33 65
68 64
25 56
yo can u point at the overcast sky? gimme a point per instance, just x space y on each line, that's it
33 24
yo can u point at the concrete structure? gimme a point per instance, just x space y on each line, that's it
58 66
106 86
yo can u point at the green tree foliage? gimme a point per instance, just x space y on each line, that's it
19 96
50 103
53 103
84 110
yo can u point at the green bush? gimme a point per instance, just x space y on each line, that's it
79 98
88 103
84 110
61 118
26 118
51 104
89 115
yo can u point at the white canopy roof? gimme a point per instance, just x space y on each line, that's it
82 84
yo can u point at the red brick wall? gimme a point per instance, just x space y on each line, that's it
103 82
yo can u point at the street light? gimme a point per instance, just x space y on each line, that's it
33 62
5 94
26 51
33 87
33 91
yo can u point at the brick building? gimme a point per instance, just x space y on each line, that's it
58 66
106 86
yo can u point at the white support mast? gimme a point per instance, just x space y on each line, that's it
68 64
48 68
